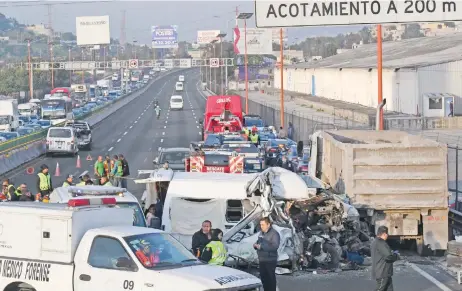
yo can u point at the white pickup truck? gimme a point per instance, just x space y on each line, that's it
83 247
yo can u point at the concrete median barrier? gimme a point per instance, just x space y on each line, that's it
21 154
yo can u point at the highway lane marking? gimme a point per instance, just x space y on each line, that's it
427 276
165 121
125 133
145 160
159 149
163 133
165 126
110 149
136 121
162 140
196 121
198 126
118 140
131 126
200 132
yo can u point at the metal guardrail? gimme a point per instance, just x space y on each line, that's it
27 139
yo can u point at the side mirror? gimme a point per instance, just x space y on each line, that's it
125 263
156 161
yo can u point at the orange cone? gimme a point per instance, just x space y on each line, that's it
89 158
78 162
57 172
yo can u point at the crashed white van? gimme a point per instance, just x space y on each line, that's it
234 203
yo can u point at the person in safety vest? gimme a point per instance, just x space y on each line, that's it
117 171
99 168
23 194
68 181
254 138
7 191
44 184
215 252
146 256
104 181
246 131
108 166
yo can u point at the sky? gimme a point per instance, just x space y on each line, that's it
190 16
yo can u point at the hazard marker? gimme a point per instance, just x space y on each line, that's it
30 170
89 158
78 162
57 172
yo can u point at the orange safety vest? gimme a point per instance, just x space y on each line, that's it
108 166
150 261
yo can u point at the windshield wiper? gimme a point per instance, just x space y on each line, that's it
189 260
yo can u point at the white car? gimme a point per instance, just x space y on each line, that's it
176 102
179 86
181 78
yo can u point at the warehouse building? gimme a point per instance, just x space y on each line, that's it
420 76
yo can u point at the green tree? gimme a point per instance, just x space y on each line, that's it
68 36
412 31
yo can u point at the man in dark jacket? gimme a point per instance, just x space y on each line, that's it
201 238
126 170
267 247
382 260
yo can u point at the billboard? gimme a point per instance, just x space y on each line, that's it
164 36
276 35
259 41
207 36
92 30
285 13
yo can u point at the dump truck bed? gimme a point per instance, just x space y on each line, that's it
385 169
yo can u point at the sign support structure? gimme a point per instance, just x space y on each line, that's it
281 44
379 74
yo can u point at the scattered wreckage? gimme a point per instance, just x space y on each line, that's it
317 229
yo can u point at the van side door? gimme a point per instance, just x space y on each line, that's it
106 266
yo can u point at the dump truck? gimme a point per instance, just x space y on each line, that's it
392 178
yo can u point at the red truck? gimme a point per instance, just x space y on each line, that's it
221 113
214 162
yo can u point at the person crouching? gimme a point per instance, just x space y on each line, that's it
215 252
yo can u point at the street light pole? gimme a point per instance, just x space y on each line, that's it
70 71
31 91
52 73
224 64
245 16
134 46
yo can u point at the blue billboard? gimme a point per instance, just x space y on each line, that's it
164 36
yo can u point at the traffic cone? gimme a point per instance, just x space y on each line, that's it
57 172
89 158
78 162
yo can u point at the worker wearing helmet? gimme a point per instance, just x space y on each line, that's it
254 138
44 184
145 254
68 181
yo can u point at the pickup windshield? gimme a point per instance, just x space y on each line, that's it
160 250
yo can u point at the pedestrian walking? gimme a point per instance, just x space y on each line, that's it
267 247
290 131
201 238
99 168
44 183
382 260
125 170
117 171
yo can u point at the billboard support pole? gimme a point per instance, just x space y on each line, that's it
226 75
379 74
221 67
281 44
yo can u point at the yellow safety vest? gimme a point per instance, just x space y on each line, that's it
81 184
254 138
120 169
109 184
218 253
246 131
7 193
66 184
18 192
45 181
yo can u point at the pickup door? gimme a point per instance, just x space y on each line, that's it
103 263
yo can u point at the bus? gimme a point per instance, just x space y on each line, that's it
56 109
61 92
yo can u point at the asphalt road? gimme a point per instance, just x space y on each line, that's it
135 132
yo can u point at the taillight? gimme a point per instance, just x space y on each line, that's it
272 150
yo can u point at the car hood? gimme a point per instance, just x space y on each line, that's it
177 166
202 277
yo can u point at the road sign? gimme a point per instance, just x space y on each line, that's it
285 13
214 63
133 64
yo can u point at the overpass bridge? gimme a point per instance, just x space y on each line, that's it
123 64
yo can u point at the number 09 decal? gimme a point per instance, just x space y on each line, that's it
128 285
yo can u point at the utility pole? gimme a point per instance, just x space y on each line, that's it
122 32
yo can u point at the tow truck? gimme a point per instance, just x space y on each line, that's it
91 245
215 141
222 114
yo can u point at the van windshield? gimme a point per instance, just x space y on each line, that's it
138 216
166 251
60 132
